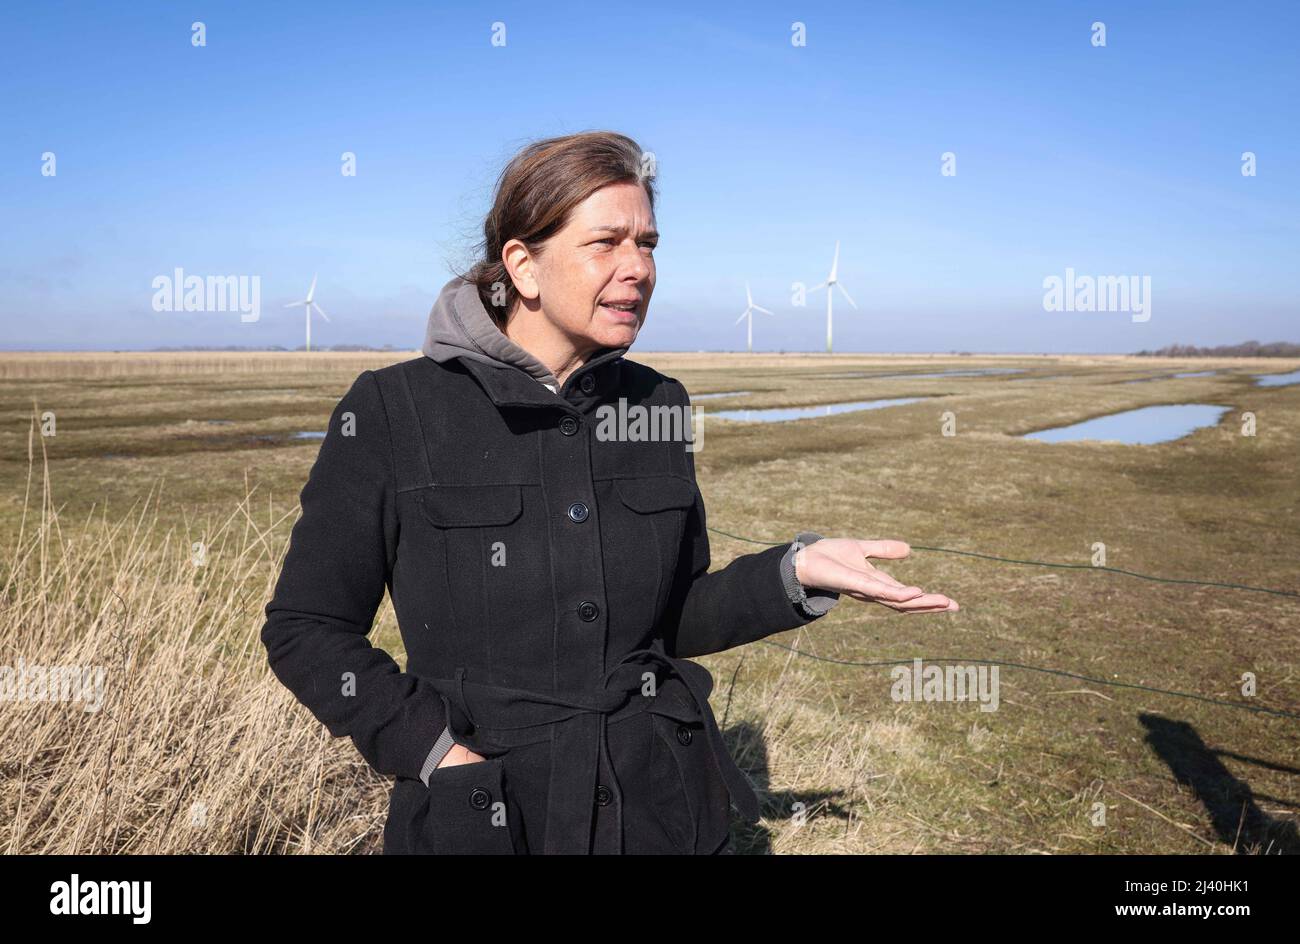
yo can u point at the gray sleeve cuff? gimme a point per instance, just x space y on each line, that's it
811 602
441 746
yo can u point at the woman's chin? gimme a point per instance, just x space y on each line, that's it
616 335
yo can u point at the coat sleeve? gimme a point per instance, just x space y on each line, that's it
340 559
746 600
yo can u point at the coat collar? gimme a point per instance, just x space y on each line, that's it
509 386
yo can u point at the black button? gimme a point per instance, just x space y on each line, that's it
603 796
587 383
588 610
578 511
569 425
480 799
684 734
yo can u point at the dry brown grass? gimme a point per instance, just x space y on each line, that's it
194 745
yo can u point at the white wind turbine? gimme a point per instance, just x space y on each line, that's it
308 305
750 308
830 285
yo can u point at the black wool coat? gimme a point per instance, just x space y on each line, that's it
550 586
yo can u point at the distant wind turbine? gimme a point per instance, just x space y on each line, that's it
308 305
830 285
750 308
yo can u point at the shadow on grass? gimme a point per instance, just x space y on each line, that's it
757 840
1237 819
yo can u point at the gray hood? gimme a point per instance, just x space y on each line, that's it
459 326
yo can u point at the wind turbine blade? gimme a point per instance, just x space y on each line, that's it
312 291
818 288
294 304
742 316
846 294
835 264
320 311
763 310
749 299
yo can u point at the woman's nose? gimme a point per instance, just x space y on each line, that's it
635 262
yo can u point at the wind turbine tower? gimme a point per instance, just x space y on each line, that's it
308 305
832 283
750 308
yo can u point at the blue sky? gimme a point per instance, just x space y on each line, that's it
225 160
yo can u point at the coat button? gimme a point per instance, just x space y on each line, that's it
587 383
588 610
578 511
684 734
480 799
569 425
603 796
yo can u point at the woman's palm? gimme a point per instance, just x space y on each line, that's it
842 565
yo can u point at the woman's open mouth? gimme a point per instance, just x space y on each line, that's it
622 311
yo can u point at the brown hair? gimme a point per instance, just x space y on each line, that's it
538 190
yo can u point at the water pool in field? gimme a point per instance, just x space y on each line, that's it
1278 380
1189 373
1144 426
781 414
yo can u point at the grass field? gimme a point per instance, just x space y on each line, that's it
198 748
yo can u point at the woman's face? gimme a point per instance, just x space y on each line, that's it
603 257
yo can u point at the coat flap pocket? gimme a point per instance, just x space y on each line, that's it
656 493
469 506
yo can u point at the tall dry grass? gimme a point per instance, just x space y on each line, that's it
196 747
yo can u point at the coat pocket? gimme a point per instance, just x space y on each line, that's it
471 506
468 811
653 493
485 540
647 526
690 797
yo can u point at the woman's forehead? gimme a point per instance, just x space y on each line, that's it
615 204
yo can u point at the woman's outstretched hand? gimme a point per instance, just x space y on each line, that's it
842 565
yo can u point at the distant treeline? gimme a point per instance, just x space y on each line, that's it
1248 349
276 347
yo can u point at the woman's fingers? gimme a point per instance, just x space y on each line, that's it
880 575
837 568
926 603
889 550
878 590
832 575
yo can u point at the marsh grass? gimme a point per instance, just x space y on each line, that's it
197 748
194 747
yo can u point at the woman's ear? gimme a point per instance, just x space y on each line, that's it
522 267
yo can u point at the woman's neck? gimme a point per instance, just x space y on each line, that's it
540 338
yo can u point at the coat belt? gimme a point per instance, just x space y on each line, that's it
579 739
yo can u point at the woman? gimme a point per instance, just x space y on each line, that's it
549 581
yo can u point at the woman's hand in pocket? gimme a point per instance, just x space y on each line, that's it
459 754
